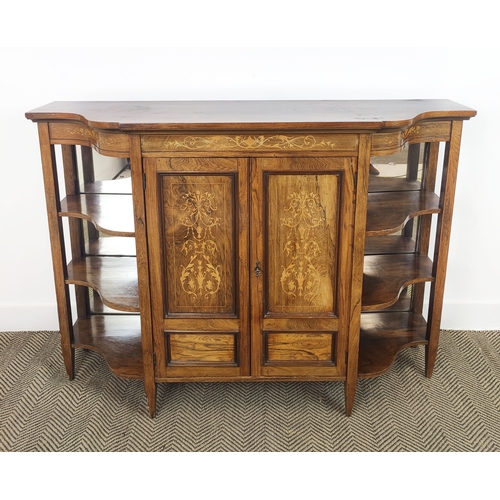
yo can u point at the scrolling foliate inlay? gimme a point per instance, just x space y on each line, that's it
249 142
201 277
301 278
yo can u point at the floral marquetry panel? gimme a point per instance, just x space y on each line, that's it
198 231
302 224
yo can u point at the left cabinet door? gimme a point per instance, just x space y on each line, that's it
197 227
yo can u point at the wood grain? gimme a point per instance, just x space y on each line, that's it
389 212
114 278
117 339
264 208
257 115
110 214
299 347
201 347
383 336
384 277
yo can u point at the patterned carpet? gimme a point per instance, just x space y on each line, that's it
458 409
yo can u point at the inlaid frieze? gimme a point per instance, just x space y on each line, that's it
251 142
79 134
391 142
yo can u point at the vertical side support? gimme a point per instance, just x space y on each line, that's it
138 195
52 199
361 202
411 175
88 177
431 153
443 231
75 225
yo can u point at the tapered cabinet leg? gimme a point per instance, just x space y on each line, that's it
430 359
150 388
350 393
69 360
448 184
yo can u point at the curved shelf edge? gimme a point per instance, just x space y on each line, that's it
110 214
113 278
117 339
389 212
383 336
385 276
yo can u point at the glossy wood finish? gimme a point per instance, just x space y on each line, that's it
381 245
52 198
302 215
383 336
443 232
389 212
114 278
248 115
384 277
378 184
117 186
117 339
112 246
198 240
259 236
110 214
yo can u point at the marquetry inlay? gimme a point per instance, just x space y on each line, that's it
390 142
106 143
301 277
201 277
261 142
302 234
198 232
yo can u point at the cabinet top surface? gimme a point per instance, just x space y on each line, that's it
258 115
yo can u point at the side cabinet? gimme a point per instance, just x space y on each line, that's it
253 241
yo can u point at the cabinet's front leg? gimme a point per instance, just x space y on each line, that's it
350 393
448 184
52 199
150 387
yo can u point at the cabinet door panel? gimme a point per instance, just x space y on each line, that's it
302 213
197 233
302 234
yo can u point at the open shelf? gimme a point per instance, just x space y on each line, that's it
97 307
403 304
117 186
117 339
114 278
380 245
110 214
383 335
389 212
378 184
111 246
385 276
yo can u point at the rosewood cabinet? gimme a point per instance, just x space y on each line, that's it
254 240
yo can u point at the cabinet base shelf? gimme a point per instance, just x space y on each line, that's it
383 336
117 339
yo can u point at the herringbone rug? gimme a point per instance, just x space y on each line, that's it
458 409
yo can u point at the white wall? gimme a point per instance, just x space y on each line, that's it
33 77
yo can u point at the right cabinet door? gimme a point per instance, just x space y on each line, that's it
301 253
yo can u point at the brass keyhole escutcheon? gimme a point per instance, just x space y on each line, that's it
257 269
